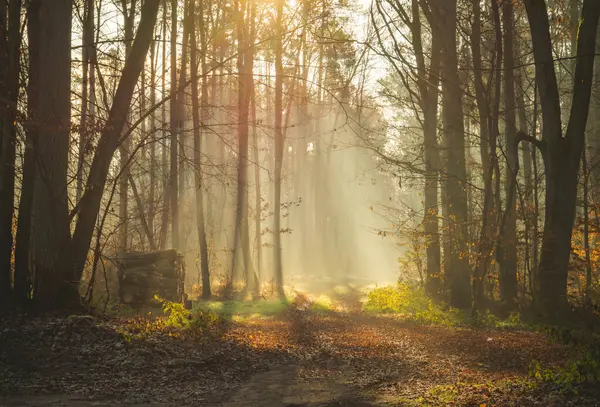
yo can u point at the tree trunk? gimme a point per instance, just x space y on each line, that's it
488 131
50 212
10 46
258 202
279 143
110 138
428 83
164 156
199 123
508 232
153 141
174 128
245 66
86 52
128 19
452 113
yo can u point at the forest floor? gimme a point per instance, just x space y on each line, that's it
298 357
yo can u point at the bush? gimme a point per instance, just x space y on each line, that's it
583 371
176 322
397 299
412 302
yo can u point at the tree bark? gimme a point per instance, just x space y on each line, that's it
174 128
199 123
508 233
10 46
279 143
51 232
428 84
452 113
128 20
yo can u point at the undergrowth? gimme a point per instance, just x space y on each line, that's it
233 309
412 303
176 322
581 373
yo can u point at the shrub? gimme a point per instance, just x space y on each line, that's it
176 322
412 302
397 299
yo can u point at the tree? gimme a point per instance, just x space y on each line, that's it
508 232
454 136
200 116
110 139
561 153
10 46
279 143
52 112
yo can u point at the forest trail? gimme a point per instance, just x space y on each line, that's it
302 358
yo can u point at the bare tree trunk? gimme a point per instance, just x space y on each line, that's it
51 234
174 127
87 41
164 156
258 202
488 136
128 17
508 232
586 231
10 46
528 210
181 137
428 83
153 140
199 123
452 113
279 144
108 143
245 64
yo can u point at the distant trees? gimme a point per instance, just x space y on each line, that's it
130 92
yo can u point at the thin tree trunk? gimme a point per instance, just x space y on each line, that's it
174 128
279 144
508 232
428 83
181 138
22 278
258 202
108 143
245 65
164 156
199 123
153 140
10 46
128 17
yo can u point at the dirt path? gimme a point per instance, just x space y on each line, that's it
300 359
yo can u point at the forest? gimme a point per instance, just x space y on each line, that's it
300 203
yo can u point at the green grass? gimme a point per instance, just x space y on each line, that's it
322 303
236 309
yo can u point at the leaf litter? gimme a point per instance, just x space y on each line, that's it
299 358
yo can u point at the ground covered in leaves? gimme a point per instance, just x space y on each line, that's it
301 356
